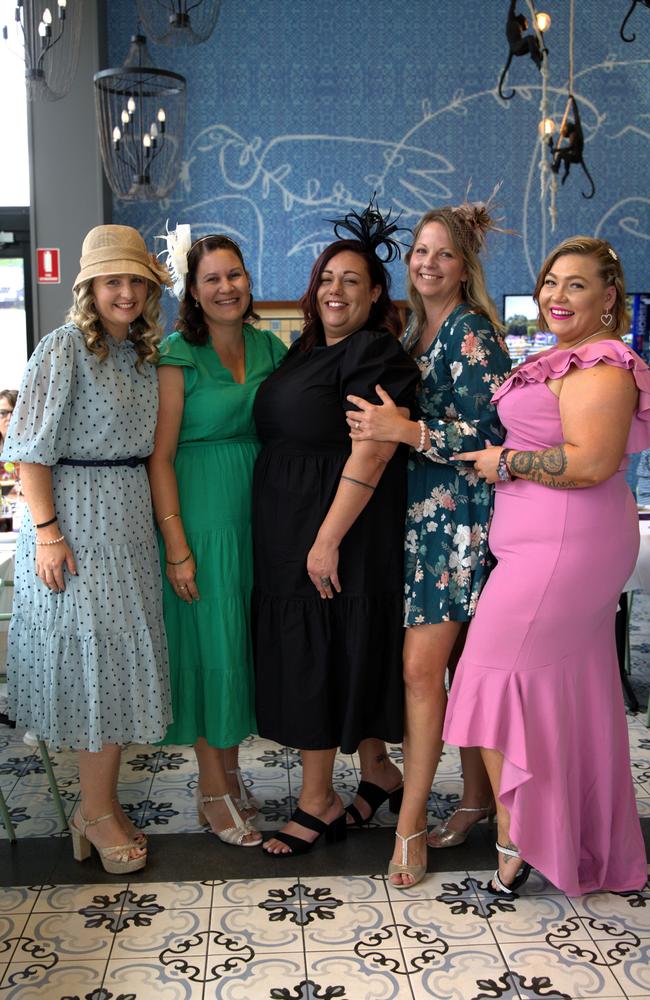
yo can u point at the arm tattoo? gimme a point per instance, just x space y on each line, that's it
544 467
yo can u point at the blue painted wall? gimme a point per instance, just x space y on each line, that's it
298 110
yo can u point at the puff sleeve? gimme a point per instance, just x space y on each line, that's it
372 359
40 426
475 363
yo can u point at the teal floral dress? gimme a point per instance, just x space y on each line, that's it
447 559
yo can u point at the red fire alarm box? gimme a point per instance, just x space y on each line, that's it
48 266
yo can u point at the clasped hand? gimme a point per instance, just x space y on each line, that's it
373 422
50 562
485 461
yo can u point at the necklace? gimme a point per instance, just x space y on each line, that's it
584 339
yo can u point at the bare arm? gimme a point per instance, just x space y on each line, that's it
360 475
50 559
164 487
596 409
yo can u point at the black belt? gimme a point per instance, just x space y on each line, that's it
132 463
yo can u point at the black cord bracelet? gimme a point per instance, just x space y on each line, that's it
46 524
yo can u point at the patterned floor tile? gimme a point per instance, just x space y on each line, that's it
69 936
11 928
34 813
254 892
456 923
345 889
242 976
149 931
342 926
456 973
46 978
536 918
607 912
630 965
255 928
72 898
579 972
171 895
348 976
18 899
169 978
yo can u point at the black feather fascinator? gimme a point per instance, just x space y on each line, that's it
372 230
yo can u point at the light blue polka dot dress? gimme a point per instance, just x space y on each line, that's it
89 666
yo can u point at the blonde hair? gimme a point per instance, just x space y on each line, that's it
145 333
466 239
609 271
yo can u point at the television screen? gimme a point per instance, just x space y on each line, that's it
523 337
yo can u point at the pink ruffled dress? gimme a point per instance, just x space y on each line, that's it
538 679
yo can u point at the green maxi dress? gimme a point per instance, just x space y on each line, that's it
210 652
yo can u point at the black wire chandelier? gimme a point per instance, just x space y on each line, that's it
49 44
179 22
141 123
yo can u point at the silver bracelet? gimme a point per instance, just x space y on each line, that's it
423 433
54 541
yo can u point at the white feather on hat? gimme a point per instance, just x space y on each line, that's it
179 244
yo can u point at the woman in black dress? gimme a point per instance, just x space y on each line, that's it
328 521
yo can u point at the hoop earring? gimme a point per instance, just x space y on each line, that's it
606 318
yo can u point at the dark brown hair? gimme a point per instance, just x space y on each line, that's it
384 314
190 319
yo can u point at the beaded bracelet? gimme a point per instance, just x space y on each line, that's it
46 524
53 541
423 433
170 562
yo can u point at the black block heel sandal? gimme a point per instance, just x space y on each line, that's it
375 796
334 831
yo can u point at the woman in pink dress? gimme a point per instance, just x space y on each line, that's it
538 686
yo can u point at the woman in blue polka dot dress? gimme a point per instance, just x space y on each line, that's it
87 664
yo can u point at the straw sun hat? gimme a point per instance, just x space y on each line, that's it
118 250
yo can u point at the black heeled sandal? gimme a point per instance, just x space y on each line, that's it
375 796
497 887
334 831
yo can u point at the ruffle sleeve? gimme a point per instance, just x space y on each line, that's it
374 358
174 350
554 364
40 426
475 361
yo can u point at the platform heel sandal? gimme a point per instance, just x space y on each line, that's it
335 831
499 888
416 872
115 860
233 835
375 796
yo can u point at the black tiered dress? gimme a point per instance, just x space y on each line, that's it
328 672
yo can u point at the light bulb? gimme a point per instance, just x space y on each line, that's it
153 131
546 127
161 115
42 29
47 17
117 135
542 20
125 117
62 3
130 105
146 140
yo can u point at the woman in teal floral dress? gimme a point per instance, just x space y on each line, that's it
462 359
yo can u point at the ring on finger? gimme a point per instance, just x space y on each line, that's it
325 581
357 425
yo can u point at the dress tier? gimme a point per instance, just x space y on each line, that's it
328 672
538 679
88 666
210 650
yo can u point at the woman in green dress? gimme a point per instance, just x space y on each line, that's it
201 475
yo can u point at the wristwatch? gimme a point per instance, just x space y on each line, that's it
503 472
